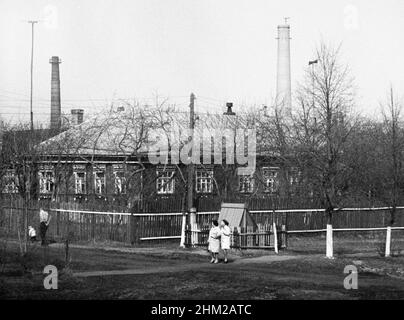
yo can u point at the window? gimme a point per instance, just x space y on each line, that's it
99 182
294 178
80 183
120 182
46 180
270 177
119 170
246 184
204 181
80 178
165 182
10 182
99 178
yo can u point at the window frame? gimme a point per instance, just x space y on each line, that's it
49 183
10 182
103 182
123 182
294 179
206 180
163 180
275 180
83 184
242 180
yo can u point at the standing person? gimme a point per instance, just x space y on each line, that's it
44 219
214 241
225 232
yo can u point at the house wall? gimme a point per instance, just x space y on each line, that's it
143 185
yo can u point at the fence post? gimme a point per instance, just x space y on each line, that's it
284 237
93 217
388 241
136 229
184 222
194 227
275 238
130 229
286 228
239 239
25 227
67 257
329 243
57 223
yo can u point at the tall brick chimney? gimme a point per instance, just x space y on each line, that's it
55 117
283 82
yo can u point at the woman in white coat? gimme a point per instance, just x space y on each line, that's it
214 241
225 233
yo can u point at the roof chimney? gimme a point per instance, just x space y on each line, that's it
229 111
55 121
77 116
121 108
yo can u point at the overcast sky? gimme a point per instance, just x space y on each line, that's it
220 50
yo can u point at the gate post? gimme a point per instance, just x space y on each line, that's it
183 226
275 238
192 222
284 237
329 242
131 231
284 231
388 242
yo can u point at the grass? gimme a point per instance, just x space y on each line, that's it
306 274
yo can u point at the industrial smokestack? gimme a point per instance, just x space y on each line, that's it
283 83
77 116
55 121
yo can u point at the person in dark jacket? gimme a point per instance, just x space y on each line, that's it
44 219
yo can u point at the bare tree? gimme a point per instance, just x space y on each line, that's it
323 125
393 142
364 156
18 170
275 134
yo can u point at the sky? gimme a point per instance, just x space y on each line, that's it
218 49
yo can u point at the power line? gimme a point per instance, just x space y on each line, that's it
97 99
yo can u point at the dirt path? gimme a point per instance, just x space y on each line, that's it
185 267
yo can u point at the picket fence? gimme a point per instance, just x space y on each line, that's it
77 223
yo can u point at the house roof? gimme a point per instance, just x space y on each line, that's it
18 141
236 214
137 131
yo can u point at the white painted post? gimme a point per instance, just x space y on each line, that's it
275 239
388 241
194 227
284 237
329 249
184 221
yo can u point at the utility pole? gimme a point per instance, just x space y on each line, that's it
191 170
32 22
191 140
27 179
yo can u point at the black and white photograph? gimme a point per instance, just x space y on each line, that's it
201 155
